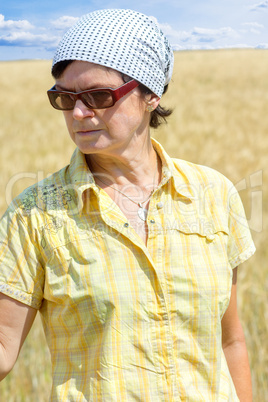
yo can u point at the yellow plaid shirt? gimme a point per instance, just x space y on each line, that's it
126 322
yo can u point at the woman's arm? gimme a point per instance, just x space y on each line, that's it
16 320
234 347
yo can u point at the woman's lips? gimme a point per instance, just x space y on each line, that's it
87 132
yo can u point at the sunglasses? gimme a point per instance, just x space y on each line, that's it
99 98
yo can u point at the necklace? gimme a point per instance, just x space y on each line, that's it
142 212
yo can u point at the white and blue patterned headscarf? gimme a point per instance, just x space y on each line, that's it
124 40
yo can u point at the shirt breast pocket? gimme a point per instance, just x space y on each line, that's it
202 272
71 262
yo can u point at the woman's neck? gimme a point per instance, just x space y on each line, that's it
139 169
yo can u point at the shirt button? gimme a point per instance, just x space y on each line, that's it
126 225
160 205
152 221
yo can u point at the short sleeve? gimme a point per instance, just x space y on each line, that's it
21 272
240 244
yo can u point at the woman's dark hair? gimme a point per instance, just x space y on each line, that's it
158 116
59 68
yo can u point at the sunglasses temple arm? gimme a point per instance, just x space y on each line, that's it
125 89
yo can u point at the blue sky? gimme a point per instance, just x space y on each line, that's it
31 29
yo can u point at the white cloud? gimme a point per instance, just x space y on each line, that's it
253 25
28 39
203 46
64 22
17 33
196 36
212 35
263 5
10 24
173 34
262 46
168 30
190 46
255 31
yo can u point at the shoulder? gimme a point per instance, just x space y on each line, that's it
214 195
203 178
43 195
199 172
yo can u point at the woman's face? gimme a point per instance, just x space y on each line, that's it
104 131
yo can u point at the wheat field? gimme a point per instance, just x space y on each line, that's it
220 119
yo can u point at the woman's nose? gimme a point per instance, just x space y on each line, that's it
81 111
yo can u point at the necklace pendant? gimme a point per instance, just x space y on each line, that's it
142 213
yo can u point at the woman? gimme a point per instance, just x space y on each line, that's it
130 256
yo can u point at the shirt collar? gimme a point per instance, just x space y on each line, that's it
80 175
179 175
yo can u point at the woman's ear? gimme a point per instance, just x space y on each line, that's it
152 102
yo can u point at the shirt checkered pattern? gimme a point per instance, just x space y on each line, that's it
125 321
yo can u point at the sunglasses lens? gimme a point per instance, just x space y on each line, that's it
93 100
61 101
98 99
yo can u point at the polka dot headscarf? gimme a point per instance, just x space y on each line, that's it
124 40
